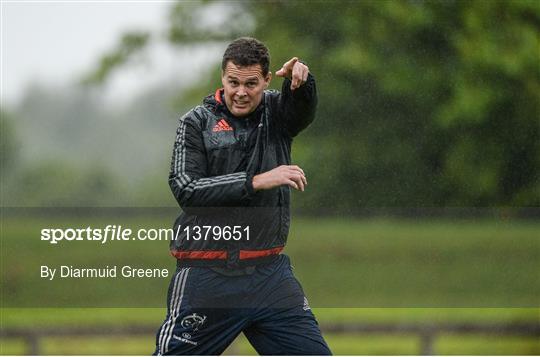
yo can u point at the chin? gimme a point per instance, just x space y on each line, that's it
242 112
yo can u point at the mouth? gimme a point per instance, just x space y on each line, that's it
240 104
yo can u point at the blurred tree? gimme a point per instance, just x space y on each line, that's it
422 103
9 152
129 44
79 150
57 184
9 146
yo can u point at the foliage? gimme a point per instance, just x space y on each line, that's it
421 103
56 183
62 146
9 146
130 43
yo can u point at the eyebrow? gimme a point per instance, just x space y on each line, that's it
247 80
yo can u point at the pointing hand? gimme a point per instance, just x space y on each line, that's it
294 70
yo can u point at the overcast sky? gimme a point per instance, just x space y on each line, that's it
56 42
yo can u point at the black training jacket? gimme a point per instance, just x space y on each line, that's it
214 160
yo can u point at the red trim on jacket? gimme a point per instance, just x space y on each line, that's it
217 96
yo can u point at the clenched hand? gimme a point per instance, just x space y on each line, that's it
291 175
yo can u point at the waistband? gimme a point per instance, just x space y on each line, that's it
240 258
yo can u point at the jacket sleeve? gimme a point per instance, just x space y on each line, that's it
188 178
297 108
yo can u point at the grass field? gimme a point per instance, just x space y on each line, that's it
355 271
373 344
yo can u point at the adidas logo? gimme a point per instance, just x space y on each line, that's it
222 125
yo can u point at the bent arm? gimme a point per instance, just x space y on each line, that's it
188 179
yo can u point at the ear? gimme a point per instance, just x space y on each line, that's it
223 78
267 80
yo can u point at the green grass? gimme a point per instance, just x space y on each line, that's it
487 345
344 344
341 263
85 346
54 317
381 263
371 344
353 271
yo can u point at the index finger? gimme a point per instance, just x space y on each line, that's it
290 63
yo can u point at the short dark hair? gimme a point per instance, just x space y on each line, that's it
247 51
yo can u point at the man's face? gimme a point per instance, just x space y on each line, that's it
244 88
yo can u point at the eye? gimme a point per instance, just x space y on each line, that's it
233 83
251 84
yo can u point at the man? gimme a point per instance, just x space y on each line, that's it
231 174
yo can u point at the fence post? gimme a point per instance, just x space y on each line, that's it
426 343
33 344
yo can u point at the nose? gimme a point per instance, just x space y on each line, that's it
241 91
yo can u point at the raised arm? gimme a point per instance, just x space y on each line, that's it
298 99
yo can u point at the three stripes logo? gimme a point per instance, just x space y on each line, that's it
306 304
222 125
